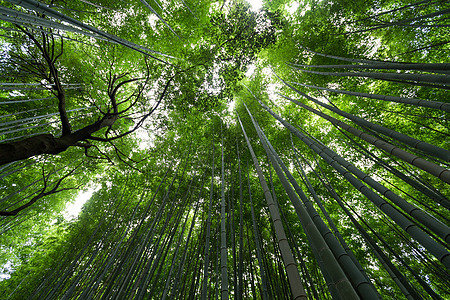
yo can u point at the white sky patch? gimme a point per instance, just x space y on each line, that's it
272 89
250 70
256 4
305 9
376 44
267 71
73 209
213 85
231 106
145 142
8 268
152 19
292 8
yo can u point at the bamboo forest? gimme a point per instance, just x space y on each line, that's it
224 149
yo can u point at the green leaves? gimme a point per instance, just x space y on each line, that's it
128 237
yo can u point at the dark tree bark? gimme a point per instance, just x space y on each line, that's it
43 193
49 144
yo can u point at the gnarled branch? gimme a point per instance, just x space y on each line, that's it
41 194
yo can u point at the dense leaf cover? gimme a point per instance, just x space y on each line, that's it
300 151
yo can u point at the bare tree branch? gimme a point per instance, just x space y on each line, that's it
141 121
41 194
47 49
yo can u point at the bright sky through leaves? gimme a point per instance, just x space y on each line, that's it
73 209
157 182
256 4
292 7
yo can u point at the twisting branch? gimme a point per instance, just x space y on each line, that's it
87 146
118 153
116 108
112 91
42 193
141 121
47 49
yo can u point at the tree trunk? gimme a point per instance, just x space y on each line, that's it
204 294
419 162
262 271
428 148
290 265
412 101
431 245
49 144
432 68
427 78
223 234
343 287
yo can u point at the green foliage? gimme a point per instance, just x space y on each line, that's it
128 235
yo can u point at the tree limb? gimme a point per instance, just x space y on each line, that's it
141 121
41 194
48 52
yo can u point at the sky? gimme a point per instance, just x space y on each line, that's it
73 209
256 4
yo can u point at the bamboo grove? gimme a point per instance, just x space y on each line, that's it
298 151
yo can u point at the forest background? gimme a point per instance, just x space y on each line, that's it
296 150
